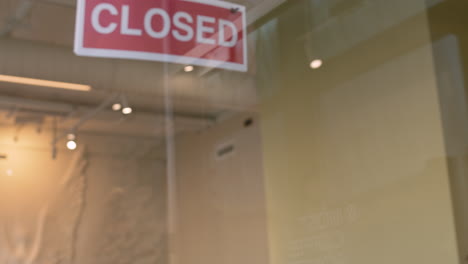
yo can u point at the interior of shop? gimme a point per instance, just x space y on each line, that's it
343 143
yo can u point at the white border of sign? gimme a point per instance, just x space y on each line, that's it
152 56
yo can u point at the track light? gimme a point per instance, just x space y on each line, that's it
315 64
126 110
71 143
117 106
71 136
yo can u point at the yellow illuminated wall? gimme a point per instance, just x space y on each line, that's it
354 156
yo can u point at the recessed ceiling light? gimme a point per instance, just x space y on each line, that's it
315 64
188 68
9 172
44 83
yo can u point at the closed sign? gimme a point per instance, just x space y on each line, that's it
200 32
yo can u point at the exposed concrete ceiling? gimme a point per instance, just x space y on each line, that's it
36 42
40 46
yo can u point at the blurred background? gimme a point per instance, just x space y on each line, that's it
345 142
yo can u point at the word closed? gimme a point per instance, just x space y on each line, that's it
208 33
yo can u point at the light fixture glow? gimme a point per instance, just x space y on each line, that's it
71 145
116 106
127 110
188 68
9 172
315 64
44 83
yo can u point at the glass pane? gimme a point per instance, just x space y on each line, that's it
244 131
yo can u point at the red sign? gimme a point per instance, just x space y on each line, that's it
201 32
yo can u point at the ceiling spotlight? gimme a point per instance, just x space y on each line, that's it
188 68
127 110
71 145
116 107
9 172
315 64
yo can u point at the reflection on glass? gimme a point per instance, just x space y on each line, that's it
279 132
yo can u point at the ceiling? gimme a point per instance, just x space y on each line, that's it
36 42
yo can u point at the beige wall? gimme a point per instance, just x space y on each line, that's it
354 155
103 203
220 201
